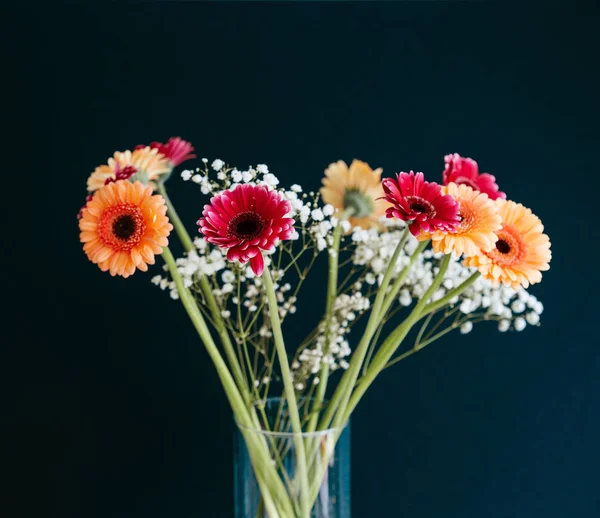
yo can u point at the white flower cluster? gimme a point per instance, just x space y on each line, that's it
512 309
330 346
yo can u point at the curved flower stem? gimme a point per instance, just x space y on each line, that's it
258 451
342 394
206 288
394 340
289 392
332 282
434 306
186 241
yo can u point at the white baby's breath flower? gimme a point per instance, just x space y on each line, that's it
186 175
317 215
236 176
532 318
262 168
271 180
328 210
197 178
225 313
217 164
503 326
296 188
466 327
520 324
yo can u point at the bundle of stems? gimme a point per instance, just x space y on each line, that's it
283 498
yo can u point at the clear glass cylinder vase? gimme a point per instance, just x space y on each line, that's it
280 474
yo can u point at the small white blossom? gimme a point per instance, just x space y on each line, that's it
225 313
262 168
466 327
197 178
317 215
520 324
503 326
328 210
186 175
532 318
271 180
518 306
217 164
236 176
296 188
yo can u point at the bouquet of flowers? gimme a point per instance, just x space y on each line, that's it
404 254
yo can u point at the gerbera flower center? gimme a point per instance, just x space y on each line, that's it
246 225
420 205
510 247
124 226
121 227
502 246
361 204
466 216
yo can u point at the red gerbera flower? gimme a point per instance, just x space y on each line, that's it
246 220
414 199
466 171
176 150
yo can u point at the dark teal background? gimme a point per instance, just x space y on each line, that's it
114 409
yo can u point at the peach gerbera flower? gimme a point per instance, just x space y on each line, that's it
123 226
357 186
149 163
479 222
522 251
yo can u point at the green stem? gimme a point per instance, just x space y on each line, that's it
188 245
331 295
261 461
186 241
394 340
434 306
289 391
344 389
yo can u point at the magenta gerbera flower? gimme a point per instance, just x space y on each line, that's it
461 170
420 202
245 220
176 150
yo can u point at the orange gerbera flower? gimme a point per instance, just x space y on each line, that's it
479 222
522 251
357 186
149 163
123 226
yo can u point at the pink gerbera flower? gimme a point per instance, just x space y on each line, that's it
466 171
413 199
245 220
176 150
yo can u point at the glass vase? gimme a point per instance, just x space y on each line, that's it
280 490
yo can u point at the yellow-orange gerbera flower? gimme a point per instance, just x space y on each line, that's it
149 165
123 226
479 222
357 186
522 251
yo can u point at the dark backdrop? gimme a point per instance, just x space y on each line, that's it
115 410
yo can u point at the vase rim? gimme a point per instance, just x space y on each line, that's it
316 433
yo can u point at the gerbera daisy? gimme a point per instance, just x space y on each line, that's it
123 226
358 187
420 202
522 251
479 220
149 165
245 220
466 171
176 150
